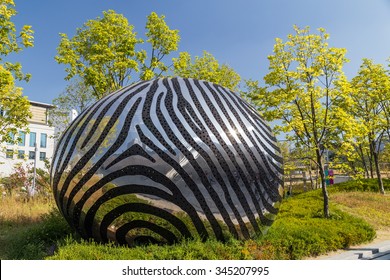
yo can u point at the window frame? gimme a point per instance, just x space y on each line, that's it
20 155
9 153
23 142
43 146
32 144
31 153
40 156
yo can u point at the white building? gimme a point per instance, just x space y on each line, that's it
37 145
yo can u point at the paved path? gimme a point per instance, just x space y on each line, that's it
373 251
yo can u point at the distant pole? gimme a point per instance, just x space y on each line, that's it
35 169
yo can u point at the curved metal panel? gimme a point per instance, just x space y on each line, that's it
168 159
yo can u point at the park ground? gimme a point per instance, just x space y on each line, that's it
35 230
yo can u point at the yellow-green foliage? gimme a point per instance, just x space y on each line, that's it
205 68
104 52
11 98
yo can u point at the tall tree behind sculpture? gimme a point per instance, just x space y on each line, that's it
163 41
76 96
14 107
104 51
205 68
370 92
301 93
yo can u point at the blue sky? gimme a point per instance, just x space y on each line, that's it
240 33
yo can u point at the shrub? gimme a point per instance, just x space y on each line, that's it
362 185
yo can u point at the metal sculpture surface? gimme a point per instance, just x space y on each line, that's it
168 159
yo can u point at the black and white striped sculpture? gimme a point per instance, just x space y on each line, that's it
168 159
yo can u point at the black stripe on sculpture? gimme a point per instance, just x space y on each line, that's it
87 114
141 208
188 182
266 183
146 117
211 192
118 142
122 231
205 137
231 156
135 150
264 178
154 176
83 161
183 107
175 198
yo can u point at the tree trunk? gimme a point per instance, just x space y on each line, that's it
377 168
361 154
311 178
304 181
370 162
323 184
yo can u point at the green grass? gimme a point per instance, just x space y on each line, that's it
301 231
362 185
17 218
36 240
373 207
298 232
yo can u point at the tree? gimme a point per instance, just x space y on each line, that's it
104 51
301 93
289 164
14 107
370 92
205 68
19 180
163 41
76 96
21 177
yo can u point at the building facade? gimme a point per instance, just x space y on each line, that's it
36 145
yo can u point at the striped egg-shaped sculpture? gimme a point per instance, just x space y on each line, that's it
165 160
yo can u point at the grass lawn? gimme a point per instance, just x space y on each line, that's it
372 207
33 230
17 216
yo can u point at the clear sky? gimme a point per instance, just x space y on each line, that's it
240 33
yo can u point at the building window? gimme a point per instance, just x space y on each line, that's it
9 153
42 156
33 139
20 154
43 140
22 137
31 155
11 137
